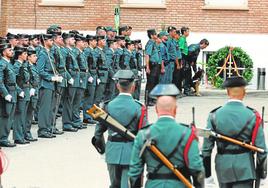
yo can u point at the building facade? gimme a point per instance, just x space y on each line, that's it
242 23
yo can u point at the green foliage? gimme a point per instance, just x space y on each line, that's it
218 57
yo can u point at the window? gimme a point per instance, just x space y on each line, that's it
62 3
143 3
226 4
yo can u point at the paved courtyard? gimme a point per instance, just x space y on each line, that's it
70 161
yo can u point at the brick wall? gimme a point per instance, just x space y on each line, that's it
25 14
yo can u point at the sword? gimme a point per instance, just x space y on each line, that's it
206 133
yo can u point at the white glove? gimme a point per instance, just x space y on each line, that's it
90 79
60 78
262 183
71 81
140 73
209 181
21 94
32 92
98 81
8 98
54 78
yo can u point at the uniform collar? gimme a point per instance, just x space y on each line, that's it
166 116
6 59
126 94
100 48
234 100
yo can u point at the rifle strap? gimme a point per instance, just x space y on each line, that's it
143 114
191 138
173 151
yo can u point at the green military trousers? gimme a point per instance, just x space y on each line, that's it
118 175
45 111
6 119
19 128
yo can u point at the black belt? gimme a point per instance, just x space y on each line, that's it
83 70
232 151
105 69
117 139
154 176
74 70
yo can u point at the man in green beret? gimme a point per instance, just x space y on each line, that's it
127 112
235 166
171 138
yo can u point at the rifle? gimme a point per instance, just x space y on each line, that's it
206 133
103 117
258 173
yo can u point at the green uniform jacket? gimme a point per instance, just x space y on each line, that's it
82 62
125 110
230 119
45 67
34 81
72 65
110 59
119 57
153 51
91 62
167 133
60 63
8 83
171 47
101 65
23 78
183 45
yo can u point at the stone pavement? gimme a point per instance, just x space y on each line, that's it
70 161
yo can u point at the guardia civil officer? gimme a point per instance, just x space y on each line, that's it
102 69
127 112
34 90
153 64
8 94
48 77
171 139
92 79
235 166
23 81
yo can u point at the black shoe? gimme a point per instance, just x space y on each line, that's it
79 127
31 139
21 142
57 132
70 129
45 135
7 144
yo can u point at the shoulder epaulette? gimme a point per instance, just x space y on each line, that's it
185 125
215 109
140 103
252 109
146 126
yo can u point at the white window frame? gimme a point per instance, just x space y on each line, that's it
63 3
143 3
226 4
